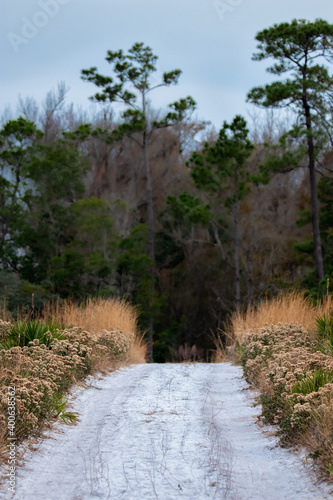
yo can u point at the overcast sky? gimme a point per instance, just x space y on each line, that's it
211 41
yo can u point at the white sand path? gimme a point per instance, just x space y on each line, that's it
165 432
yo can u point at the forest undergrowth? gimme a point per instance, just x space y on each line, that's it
40 359
285 346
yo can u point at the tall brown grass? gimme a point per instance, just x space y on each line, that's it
219 352
138 351
96 315
287 308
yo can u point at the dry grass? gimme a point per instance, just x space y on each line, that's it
319 437
219 354
138 351
224 345
291 308
96 315
187 354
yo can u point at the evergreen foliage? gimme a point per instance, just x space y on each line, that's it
138 206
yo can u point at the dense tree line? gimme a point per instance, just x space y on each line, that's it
158 207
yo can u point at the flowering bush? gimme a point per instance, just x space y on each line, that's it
294 373
42 369
37 372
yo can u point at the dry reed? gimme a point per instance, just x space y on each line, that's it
292 308
219 353
96 315
138 351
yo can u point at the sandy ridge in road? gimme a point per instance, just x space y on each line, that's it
165 432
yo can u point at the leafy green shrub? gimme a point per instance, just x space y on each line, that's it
276 409
271 406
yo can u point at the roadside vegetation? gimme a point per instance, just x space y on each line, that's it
40 359
285 346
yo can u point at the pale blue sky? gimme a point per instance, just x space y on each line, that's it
211 41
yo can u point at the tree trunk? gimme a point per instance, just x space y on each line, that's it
236 255
314 196
149 198
249 280
151 237
150 352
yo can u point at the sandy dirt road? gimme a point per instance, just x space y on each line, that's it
165 432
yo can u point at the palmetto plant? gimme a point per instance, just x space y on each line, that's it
24 332
311 383
59 402
324 325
